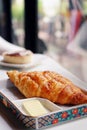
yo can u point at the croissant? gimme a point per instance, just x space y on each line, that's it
49 85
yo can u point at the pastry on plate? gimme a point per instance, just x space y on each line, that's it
49 85
18 57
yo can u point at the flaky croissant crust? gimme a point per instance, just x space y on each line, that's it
49 85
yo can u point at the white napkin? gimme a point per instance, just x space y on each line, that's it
7 46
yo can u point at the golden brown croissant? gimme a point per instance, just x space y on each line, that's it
49 85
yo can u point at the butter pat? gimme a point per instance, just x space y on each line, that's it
34 108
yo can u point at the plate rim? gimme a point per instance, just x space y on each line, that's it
30 65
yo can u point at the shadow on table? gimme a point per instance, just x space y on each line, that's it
10 118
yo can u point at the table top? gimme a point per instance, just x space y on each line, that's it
8 121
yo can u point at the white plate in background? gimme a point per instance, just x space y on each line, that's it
36 60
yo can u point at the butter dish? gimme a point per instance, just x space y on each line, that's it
36 103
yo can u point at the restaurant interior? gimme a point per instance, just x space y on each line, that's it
55 28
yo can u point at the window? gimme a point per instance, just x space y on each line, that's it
18 22
62 26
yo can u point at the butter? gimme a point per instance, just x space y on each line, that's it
34 108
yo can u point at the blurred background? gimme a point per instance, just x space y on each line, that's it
56 28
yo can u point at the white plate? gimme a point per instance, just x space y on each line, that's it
35 61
